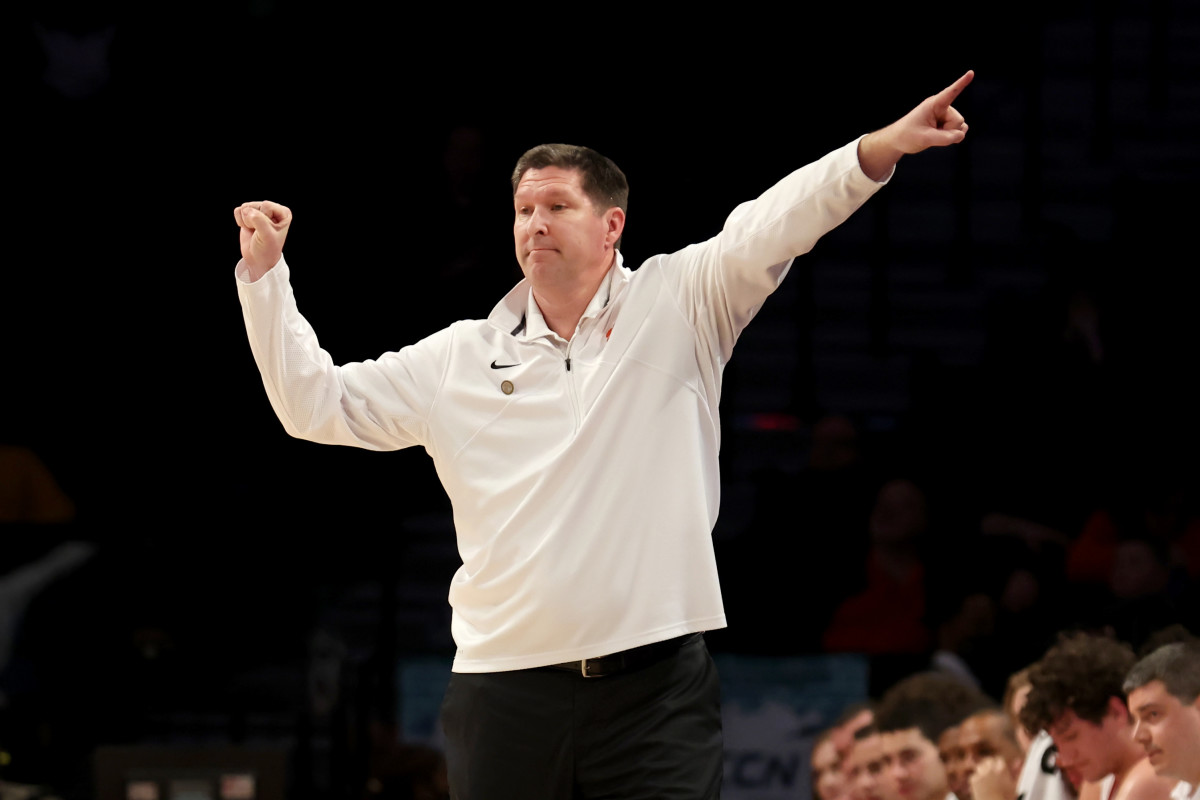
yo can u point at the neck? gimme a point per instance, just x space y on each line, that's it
562 306
1130 754
562 315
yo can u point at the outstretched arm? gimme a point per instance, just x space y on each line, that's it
934 123
264 226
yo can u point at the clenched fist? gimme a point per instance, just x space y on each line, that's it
994 779
264 226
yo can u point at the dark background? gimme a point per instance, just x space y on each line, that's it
226 544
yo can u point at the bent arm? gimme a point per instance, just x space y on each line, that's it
377 405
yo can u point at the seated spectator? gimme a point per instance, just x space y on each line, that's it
912 716
828 782
1164 698
888 615
983 735
1157 512
864 768
1076 696
1022 561
1140 598
947 748
1038 777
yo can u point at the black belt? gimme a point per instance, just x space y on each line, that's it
626 660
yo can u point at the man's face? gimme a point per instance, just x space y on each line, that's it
952 759
827 771
863 768
559 236
913 762
1086 748
1169 730
979 737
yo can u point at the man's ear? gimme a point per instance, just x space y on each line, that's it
1118 710
614 219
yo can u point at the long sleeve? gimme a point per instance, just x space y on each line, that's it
726 279
378 404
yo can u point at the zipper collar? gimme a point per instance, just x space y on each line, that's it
518 314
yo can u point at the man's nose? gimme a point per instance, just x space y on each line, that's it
538 222
1140 734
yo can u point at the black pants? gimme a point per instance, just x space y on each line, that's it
546 734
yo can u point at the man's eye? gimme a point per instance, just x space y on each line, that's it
559 206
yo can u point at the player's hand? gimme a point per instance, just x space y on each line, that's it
263 227
933 123
993 780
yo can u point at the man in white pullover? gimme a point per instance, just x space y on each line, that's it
576 433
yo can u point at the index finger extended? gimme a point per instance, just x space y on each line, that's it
946 96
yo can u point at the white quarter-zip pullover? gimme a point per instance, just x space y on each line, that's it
583 474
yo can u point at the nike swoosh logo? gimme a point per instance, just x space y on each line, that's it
504 366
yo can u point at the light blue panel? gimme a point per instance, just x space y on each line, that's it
772 709
421 683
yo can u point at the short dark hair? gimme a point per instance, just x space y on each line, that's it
603 182
1176 665
1003 721
866 732
929 701
1080 673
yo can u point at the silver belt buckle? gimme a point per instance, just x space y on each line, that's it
583 667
